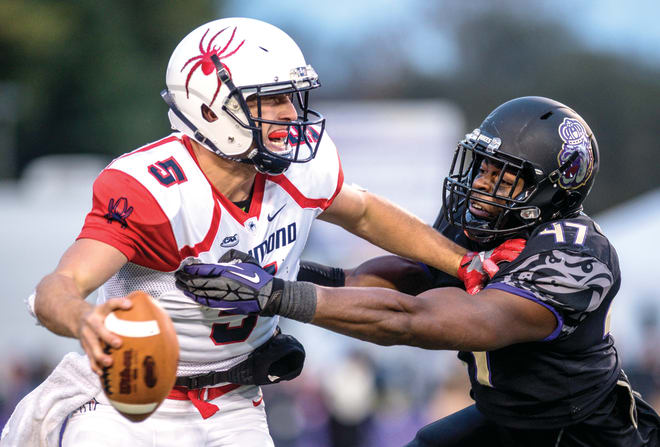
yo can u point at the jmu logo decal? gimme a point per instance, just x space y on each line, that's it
575 138
119 211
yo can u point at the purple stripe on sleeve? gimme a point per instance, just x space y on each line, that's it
530 296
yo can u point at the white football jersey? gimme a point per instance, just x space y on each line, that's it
156 206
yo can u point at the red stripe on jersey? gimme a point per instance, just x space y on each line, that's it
255 204
151 146
238 214
306 202
340 183
145 236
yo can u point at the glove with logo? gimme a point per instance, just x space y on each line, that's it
477 268
237 284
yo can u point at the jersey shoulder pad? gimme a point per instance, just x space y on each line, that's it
168 171
320 178
154 162
567 265
577 235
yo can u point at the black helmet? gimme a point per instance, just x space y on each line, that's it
540 141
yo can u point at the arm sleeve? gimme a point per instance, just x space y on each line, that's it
320 274
314 184
126 215
442 279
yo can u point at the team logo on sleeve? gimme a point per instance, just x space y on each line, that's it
574 135
119 211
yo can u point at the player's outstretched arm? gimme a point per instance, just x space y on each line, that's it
442 318
392 228
445 318
60 298
404 275
392 272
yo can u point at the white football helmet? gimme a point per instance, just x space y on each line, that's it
222 63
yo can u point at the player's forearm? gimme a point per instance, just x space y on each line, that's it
439 319
383 224
59 305
447 318
378 315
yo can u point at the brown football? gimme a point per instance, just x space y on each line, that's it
143 369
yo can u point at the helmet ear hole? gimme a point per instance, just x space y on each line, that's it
208 114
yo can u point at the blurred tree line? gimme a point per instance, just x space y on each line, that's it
506 50
85 76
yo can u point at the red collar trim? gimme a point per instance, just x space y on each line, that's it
237 213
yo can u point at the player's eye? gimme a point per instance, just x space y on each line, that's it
275 99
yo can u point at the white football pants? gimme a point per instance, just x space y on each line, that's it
239 422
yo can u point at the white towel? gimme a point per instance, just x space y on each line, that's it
38 417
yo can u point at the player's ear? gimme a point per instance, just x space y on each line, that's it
208 114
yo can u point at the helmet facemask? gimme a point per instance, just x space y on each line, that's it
514 213
303 135
537 140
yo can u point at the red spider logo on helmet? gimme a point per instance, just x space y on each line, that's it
204 59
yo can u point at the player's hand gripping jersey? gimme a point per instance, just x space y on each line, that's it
569 267
157 207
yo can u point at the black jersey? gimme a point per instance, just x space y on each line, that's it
569 267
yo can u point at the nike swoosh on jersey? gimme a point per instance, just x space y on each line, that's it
270 218
257 402
253 279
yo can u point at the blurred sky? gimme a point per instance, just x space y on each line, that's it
625 27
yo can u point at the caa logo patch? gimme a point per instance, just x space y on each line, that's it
229 241
119 211
575 138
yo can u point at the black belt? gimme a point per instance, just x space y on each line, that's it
236 374
280 358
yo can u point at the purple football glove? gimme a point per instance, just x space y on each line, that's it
235 285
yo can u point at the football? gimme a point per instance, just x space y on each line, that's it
143 369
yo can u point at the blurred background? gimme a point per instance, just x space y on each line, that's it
402 82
